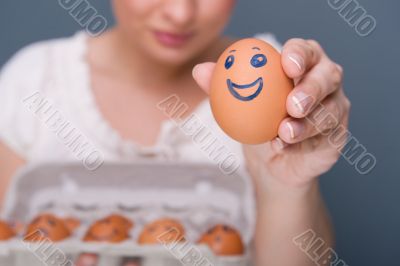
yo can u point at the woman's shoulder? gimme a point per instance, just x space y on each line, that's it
37 65
32 58
29 73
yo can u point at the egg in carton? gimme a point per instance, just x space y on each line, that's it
199 196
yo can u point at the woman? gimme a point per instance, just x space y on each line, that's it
106 86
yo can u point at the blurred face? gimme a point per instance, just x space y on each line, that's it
172 31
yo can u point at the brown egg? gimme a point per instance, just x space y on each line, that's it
249 90
72 223
112 229
162 231
223 241
6 232
120 219
47 227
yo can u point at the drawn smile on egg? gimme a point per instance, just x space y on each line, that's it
245 92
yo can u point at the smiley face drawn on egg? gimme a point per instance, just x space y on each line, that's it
257 61
249 89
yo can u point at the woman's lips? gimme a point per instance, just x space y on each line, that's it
171 39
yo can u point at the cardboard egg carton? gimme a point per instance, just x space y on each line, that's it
198 195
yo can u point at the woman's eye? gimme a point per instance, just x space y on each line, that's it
229 61
259 60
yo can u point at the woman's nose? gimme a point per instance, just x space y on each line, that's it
180 12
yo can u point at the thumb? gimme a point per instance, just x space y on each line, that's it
202 75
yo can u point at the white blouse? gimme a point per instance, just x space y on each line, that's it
49 113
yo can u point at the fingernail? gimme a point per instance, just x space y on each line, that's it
295 129
302 101
297 60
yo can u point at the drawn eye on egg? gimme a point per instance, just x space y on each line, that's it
229 61
259 60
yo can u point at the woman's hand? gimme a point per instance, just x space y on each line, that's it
301 152
285 170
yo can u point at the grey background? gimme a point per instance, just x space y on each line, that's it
364 207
